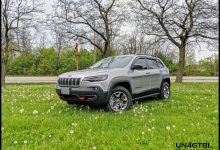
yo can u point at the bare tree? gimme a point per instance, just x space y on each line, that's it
12 12
133 43
180 22
83 18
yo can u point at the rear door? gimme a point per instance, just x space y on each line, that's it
155 73
140 78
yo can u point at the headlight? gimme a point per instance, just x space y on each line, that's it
96 78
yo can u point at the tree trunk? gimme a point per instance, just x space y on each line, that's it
3 75
76 57
179 76
5 55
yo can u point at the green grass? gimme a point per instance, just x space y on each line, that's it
191 115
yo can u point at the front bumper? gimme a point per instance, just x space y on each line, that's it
88 95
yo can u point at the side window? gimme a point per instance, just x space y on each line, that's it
160 64
141 61
152 63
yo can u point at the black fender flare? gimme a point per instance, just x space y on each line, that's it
118 80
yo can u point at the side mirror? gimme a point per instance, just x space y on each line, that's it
137 67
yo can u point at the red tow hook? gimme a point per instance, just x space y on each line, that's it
82 98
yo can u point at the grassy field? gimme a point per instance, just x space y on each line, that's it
34 118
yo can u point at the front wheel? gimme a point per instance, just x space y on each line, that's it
165 90
119 99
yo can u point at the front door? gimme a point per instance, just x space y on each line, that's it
140 79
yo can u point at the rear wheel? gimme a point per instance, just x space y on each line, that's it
119 99
165 91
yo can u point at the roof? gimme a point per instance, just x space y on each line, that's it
149 56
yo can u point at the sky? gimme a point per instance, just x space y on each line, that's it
199 54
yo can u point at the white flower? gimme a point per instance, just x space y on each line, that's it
15 142
50 136
21 110
168 128
25 141
142 133
71 131
153 128
35 112
74 124
94 147
2 128
184 130
174 126
149 130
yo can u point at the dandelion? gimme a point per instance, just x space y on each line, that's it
25 141
21 110
168 128
15 142
71 131
174 126
35 112
149 130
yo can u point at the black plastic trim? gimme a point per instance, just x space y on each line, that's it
146 93
99 99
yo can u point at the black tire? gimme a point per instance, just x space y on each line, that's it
165 94
124 93
70 103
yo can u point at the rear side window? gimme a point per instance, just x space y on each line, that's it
152 63
160 64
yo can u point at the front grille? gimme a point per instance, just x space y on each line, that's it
68 81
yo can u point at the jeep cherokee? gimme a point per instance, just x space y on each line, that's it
114 82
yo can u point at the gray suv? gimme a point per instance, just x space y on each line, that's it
114 82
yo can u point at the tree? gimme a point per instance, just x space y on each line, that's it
12 13
81 19
180 22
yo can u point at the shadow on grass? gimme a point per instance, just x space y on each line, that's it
94 108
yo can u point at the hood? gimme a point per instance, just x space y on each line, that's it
88 72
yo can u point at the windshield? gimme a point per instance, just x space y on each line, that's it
112 62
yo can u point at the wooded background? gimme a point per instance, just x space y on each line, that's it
170 29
